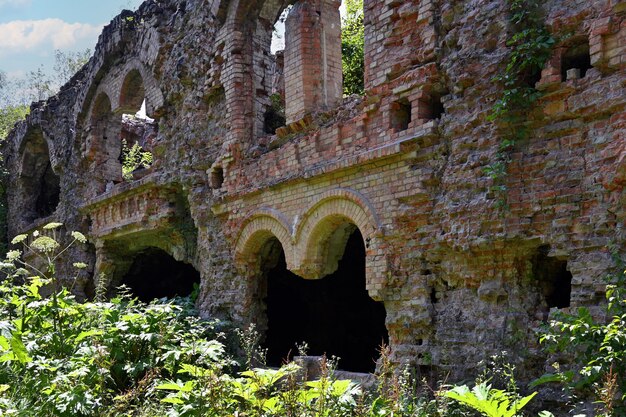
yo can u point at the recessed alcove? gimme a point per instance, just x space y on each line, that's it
154 273
576 60
333 315
555 280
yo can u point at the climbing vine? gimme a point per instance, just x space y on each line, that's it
531 46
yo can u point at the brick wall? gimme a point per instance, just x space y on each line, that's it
459 276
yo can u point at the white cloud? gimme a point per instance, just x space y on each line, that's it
30 35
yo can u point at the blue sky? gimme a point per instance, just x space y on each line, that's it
30 30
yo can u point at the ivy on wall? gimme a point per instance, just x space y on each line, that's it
531 46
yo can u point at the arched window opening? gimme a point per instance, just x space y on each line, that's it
156 274
103 146
132 94
555 281
576 61
307 76
138 130
334 315
40 185
49 192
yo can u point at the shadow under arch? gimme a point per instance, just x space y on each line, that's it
38 184
323 232
257 230
103 148
133 92
334 315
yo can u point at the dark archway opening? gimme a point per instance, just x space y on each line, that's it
155 274
554 279
49 192
334 315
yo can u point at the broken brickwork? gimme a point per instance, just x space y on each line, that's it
459 277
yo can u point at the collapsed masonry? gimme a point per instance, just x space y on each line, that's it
359 221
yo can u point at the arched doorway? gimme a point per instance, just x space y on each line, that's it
39 184
154 273
333 315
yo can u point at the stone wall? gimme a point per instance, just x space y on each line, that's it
459 276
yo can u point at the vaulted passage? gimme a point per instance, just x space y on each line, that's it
155 274
39 184
333 315
49 192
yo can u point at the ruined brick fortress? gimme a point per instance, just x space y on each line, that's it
359 220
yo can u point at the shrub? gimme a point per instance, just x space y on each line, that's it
599 346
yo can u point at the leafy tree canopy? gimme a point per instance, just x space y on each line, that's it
352 48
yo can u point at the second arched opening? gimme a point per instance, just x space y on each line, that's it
334 315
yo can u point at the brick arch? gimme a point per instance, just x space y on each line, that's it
132 92
135 71
324 229
117 83
262 9
34 136
258 229
122 89
247 34
101 149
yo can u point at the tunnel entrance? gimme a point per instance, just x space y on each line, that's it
333 315
155 274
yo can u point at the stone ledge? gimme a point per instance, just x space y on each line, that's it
124 190
403 143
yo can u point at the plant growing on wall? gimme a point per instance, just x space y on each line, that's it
530 48
134 158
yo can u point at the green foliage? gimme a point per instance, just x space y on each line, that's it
530 48
488 401
61 358
121 357
134 158
9 116
352 48
599 346
398 394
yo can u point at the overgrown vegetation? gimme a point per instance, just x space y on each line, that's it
530 48
352 48
598 342
121 357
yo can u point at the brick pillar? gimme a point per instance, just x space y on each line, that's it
313 72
